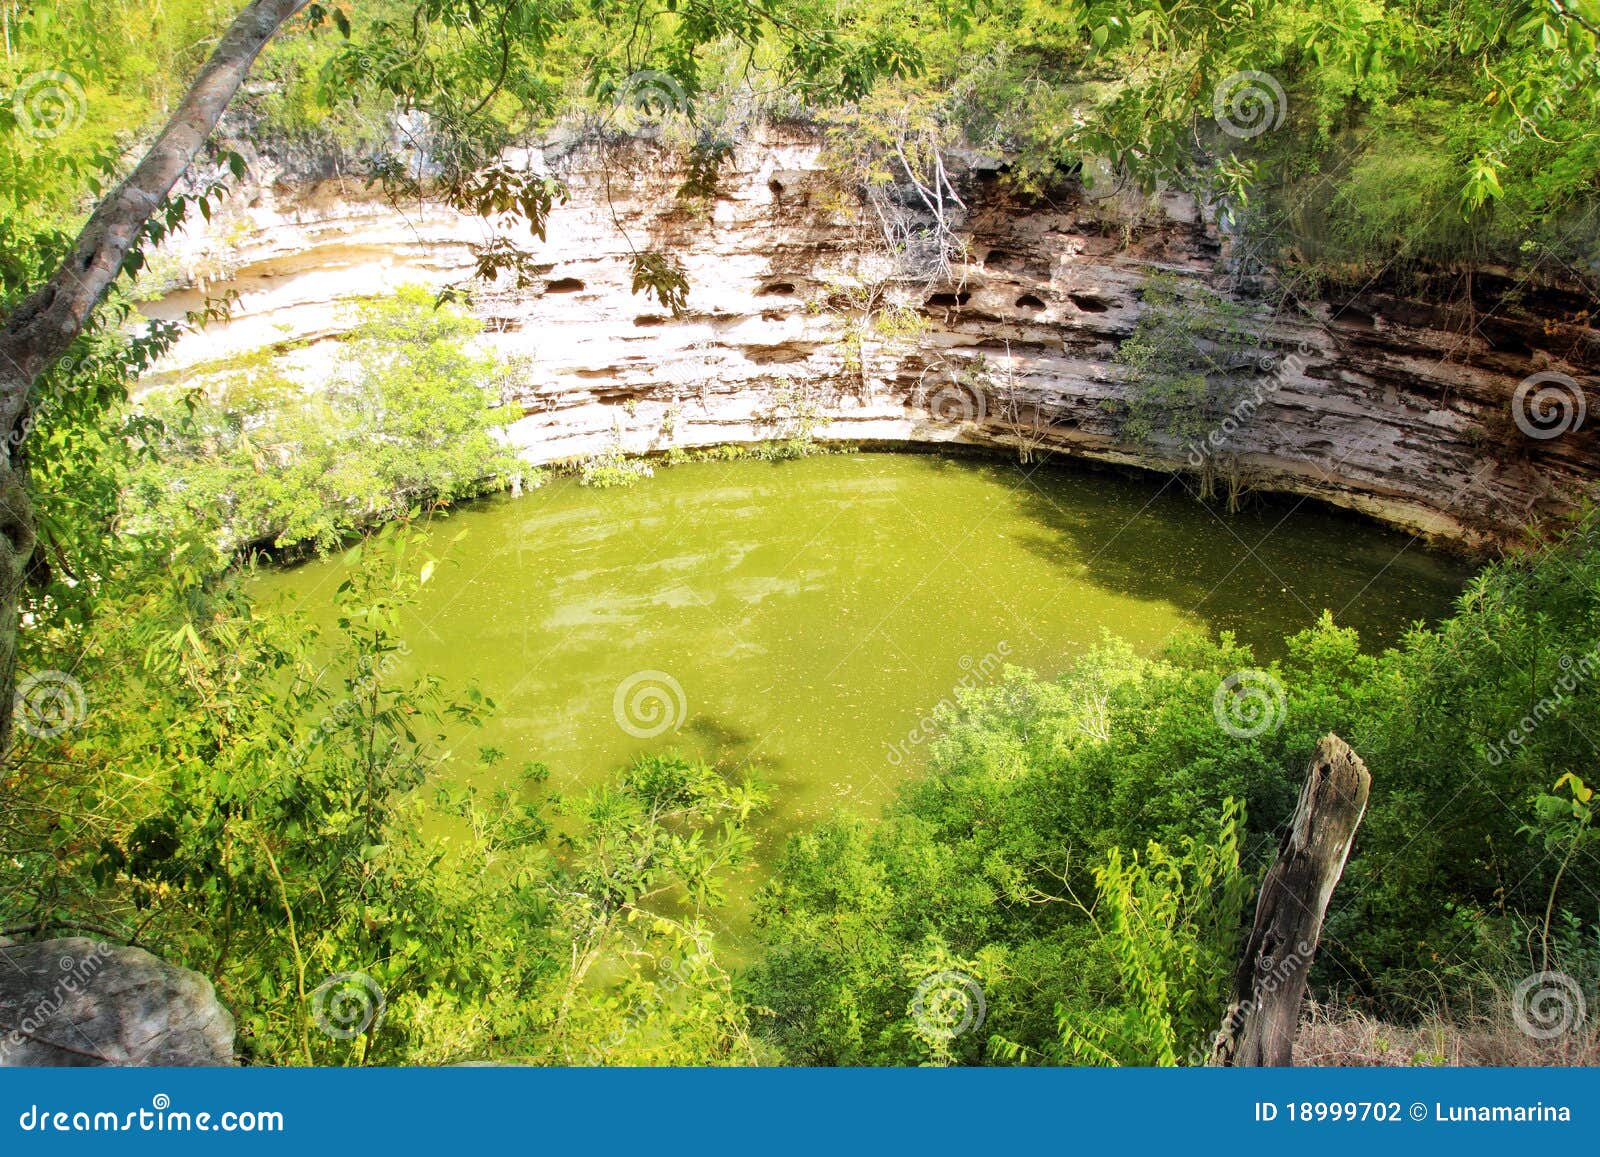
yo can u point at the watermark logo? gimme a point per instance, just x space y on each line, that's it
48 103
1248 104
1271 975
957 403
648 95
370 674
1574 672
347 1004
1547 1005
1548 405
649 703
76 973
975 673
948 1004
49 703
1531 118
1279 369
1249 703
159 1117
671 974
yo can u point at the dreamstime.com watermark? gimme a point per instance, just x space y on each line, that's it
342 712
649 703
1547 1005
1218 439
48 103
976 673
648 95
955 401
1274 975
348 1004
75 974
948 1004
1249 703
1574 673
1248 104
159 1117
66 373
670 976
1534 116
1548 405
49 703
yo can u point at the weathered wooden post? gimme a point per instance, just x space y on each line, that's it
1264 1006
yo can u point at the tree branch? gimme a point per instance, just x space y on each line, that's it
46 323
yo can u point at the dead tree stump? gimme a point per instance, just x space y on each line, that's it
1264 1005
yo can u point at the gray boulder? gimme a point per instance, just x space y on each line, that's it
77 1002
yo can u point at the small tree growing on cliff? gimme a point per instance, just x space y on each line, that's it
1183 363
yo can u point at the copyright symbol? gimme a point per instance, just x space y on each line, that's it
1419 1111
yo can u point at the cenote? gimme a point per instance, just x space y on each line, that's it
814 612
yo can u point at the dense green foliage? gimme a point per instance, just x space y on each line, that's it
408 418
126 58
1365 131
1339 136
1077 848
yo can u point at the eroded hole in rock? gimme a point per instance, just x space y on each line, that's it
645 320
767 355
1351 318
563 285
776 289
1089 302
1000 259
948 300
776 186
1029 301
1504 340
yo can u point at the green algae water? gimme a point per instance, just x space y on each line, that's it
802 619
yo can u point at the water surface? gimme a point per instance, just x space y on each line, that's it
813 612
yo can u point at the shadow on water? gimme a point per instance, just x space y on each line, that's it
732 749
1281 560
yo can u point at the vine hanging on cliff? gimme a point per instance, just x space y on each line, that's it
661 276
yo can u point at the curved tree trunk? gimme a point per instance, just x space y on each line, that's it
42 328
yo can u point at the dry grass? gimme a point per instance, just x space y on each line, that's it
1340 1035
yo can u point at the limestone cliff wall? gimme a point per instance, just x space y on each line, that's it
1372 400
